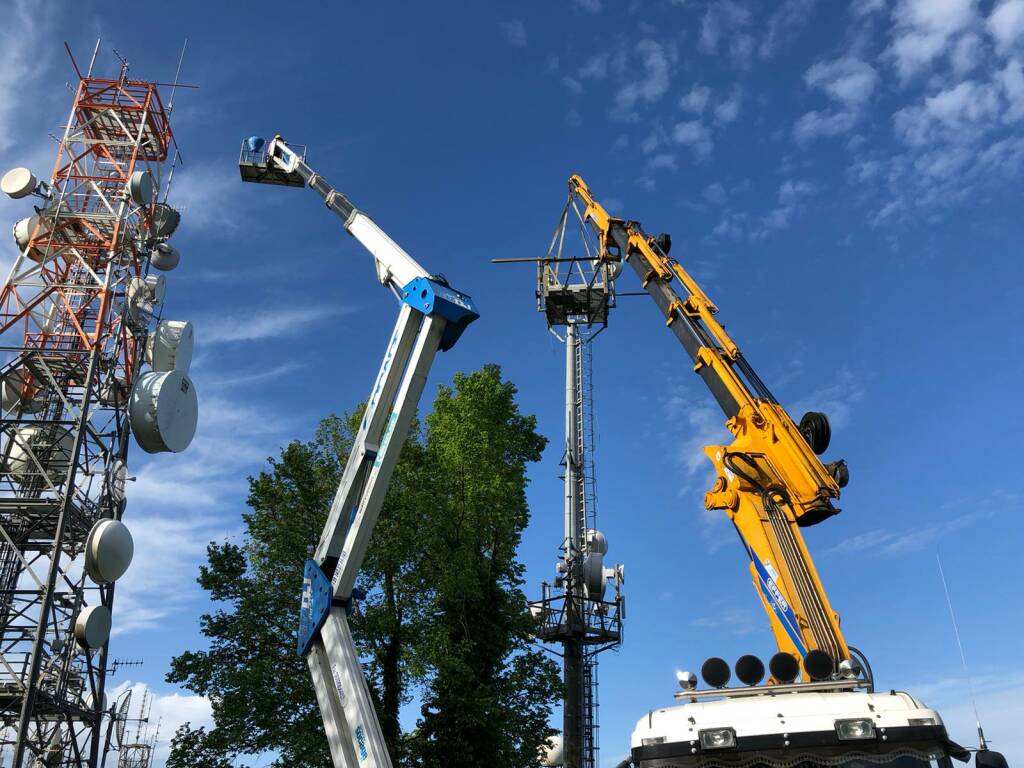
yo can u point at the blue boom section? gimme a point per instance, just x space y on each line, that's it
434 298
316 605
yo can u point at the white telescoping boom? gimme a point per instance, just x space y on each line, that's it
432 317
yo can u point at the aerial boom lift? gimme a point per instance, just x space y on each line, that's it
432 317
770 482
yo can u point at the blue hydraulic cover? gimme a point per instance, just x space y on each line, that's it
434 298
316 605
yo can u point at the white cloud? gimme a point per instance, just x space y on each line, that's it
736 621
695 135
697 99
663 161
729 110
924 29
783 24
24 46
266 324
726 20
792 192
595 68
650 87
848 80
588 6
812 125
715 193
514 31
888 541
1006 23
961 114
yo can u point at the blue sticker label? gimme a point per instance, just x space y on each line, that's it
361 743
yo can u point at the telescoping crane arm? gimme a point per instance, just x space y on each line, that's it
432 316
769 480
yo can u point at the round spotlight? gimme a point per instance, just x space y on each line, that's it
819 665
750 669
784 667
687 680
715 672
850 669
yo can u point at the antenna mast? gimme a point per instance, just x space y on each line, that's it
576 293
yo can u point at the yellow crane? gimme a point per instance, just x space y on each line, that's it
770 481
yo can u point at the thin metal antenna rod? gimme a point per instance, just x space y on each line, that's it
963 656
181 58
92 61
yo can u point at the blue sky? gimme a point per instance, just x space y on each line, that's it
842 177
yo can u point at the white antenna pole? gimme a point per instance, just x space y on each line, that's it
181 58
963 656
92 61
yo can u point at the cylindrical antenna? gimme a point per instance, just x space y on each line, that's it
963 657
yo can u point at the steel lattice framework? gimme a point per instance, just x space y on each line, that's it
72 337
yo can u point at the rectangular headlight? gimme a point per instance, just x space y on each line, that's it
650 741
851 730
921 721
717 738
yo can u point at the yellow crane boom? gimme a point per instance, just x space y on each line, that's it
770 481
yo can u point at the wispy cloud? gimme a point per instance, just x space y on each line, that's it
849 82
514 31
889 541
267 324
24 46
649 86
924 30
736 621
724 26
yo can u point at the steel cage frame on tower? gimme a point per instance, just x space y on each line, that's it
75 316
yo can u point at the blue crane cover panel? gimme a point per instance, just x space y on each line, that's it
316 605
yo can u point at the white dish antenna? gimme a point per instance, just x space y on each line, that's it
141 187
169 347
165 221
18 183
163 411
164 257
121 717
117 479
142 295
593 575
551 753
108 551
34 443
92 627
13 390
596 541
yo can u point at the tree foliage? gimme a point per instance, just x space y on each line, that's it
488 700
444 611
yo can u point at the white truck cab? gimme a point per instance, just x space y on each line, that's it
791 725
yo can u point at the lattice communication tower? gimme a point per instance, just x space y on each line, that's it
87 361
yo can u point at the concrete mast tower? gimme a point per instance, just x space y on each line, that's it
86 362
576 293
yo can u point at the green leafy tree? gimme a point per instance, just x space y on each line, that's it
489 697
263 699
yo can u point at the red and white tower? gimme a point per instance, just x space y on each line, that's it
86 361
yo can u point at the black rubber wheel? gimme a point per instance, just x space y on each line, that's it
815 428
664 242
